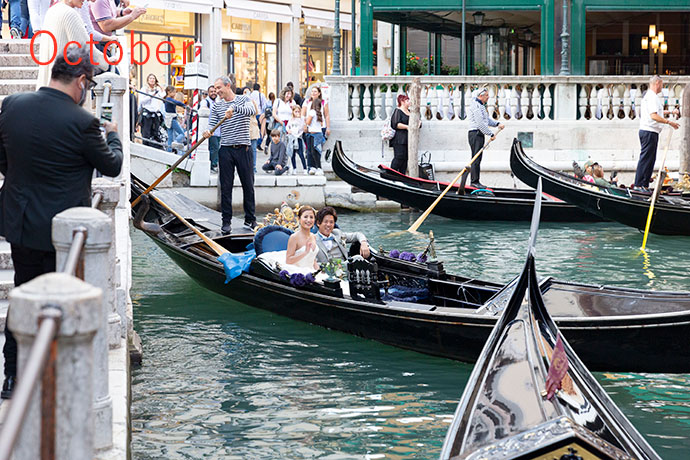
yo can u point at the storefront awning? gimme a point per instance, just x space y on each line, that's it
189 6
326 18
260 11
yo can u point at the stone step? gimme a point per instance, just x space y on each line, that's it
5 256
8 87
10 46
6 283
17 60
18 73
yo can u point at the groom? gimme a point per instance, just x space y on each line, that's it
331 241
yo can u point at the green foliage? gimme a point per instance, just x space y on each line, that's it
481 69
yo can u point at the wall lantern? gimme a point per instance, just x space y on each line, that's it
529 35
664 48
645 43
503 31
478 18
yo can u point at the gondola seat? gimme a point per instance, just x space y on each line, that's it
271 238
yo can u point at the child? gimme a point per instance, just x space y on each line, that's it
278 159
295 128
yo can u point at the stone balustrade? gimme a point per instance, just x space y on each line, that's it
515 98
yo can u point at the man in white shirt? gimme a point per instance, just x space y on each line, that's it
651 123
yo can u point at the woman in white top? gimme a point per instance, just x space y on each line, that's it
315 93
282 108
64 23
315 122
295 129
301 248
150 108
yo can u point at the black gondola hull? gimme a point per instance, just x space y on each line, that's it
636 344
452 205
668 219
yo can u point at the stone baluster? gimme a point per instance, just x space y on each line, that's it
548 101
514 104
98 271
366 102
457 101
678 91
582 102
81 306
616 102
593 102
638 100
355 103
468 101
448 112
435 105
350 103
524 102
391 101
626 102
377 102
537 103
201 168
423 100
501 102
672 99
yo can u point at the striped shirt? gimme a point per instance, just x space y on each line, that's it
234 131
479 117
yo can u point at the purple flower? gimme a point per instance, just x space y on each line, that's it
408 256
394 253
284 274
297 280
309 278
421 258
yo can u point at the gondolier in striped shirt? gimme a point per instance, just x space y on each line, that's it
234 150
480 122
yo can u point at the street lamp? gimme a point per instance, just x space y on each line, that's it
478 18
645 43
336 40
664 47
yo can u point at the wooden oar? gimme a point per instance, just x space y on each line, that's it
217 248
657 188
422 218
177 163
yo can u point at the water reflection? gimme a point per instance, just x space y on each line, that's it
222 380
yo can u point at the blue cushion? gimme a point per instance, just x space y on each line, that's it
271 238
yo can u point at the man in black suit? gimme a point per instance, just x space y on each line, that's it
49 147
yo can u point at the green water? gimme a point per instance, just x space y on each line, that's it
222 380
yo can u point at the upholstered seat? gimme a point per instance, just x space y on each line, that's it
271 238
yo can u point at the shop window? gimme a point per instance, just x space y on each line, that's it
164 21
249 30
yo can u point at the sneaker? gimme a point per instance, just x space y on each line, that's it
214 169
319 172
250 225
15 33
293 172
312 171
226 229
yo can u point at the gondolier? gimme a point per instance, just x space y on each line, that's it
651 123
234 150
480 122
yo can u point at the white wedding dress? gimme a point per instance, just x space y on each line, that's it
304 265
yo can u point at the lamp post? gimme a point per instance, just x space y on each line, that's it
565 55
354 35
336 40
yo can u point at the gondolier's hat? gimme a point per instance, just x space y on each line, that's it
479 91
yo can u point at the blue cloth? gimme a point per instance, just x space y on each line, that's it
235 264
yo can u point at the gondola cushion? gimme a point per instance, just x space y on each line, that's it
271 238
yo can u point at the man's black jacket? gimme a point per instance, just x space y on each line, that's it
49 147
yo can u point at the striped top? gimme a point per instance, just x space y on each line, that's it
479 117
234 131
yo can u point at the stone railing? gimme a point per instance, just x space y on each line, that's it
515 98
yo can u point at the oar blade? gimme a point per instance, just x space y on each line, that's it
534 226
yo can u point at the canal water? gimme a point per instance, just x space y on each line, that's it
223 380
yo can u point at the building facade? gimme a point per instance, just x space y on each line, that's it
524 37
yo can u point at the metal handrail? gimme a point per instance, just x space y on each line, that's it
43 355
42 362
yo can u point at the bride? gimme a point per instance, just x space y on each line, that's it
301 248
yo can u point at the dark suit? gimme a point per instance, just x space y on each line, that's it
49 147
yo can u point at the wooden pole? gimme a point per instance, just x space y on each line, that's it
685 126
413 127
657 189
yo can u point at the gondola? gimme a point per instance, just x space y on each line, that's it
631 208
530 397
450 317
494 204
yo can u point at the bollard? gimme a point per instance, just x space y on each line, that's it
117 105
115 308
201 169
98 271
80 304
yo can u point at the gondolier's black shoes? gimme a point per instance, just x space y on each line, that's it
250 225
478 185
8 387
226 229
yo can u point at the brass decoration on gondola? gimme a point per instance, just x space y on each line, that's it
285 217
